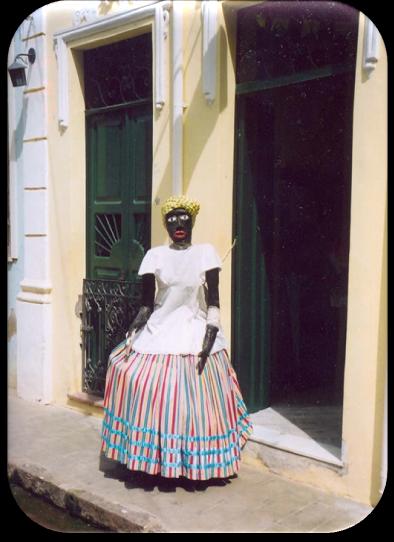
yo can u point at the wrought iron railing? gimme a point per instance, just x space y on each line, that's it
108 308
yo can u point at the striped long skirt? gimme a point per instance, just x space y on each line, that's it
162 417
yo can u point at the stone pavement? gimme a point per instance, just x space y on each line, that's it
54 451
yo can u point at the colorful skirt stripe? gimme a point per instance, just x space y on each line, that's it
162 417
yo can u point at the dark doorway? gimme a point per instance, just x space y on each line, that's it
296 63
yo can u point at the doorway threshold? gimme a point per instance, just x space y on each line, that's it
273 429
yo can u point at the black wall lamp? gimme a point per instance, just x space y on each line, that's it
17 69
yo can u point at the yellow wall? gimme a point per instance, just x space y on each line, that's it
363 401
66 215
208 148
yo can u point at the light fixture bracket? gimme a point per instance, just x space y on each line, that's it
17 70
31 55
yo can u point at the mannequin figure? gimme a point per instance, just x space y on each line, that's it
172 400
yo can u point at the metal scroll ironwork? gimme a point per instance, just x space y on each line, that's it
108 308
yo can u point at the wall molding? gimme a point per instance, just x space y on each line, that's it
34 298
35 286
162 17
371 46
35 89
33 36
159 12
35 139
209 48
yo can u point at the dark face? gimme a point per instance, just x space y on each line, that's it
179 226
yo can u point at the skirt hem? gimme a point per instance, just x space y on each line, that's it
162 418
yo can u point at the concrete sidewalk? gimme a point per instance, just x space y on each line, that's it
54 451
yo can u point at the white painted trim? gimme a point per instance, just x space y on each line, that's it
34 348
35 298
12 166
161 33
63 39
209 48
371 46
177 99
62 82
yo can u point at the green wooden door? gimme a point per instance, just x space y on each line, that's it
119 145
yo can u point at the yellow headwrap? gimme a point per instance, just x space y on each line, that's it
180 202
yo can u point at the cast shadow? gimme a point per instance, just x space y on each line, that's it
148 482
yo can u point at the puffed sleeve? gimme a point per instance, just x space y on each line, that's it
210 258
148 264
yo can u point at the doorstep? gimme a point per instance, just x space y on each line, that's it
281 434
305 447
86 399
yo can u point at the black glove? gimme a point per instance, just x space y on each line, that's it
209 340
148 294
140 320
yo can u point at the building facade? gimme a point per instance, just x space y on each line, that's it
273 116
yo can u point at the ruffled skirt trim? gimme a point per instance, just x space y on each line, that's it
162 417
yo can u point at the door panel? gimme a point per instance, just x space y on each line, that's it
119 191
108 182
141 189
139 198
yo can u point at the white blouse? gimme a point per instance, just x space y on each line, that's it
178 322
